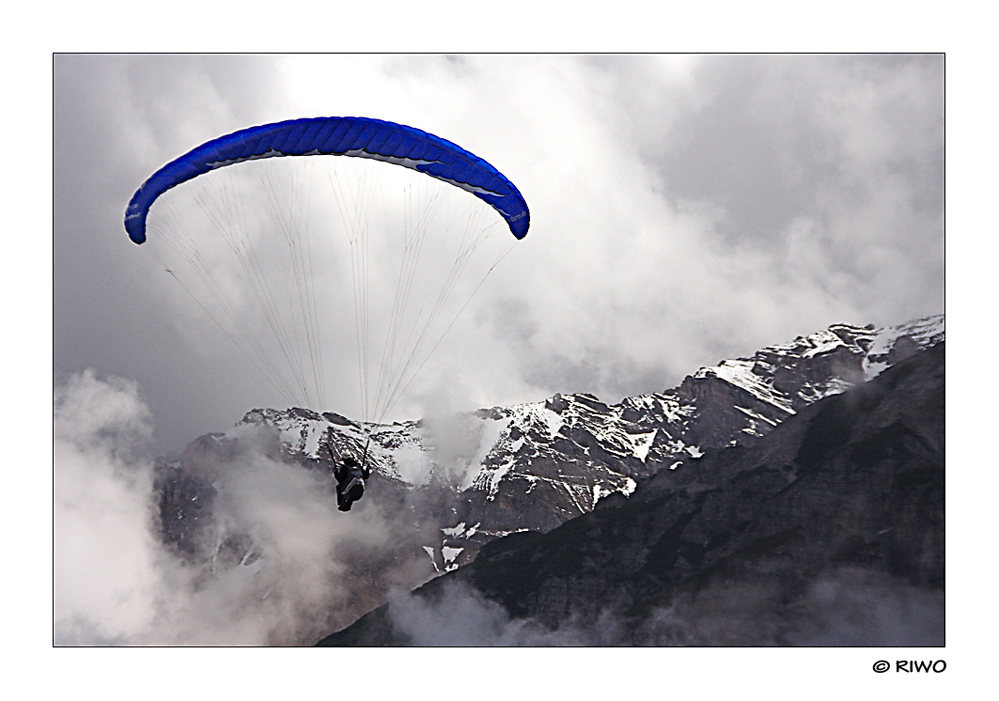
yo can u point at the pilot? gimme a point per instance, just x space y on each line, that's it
350 476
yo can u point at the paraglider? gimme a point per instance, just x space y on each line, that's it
270 282
341 136
350 476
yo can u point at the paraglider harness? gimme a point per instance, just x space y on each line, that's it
350 476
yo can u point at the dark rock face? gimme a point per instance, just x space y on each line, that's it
828 531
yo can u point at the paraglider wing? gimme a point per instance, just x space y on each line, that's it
343 136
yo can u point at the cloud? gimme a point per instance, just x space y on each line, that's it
280 564
460 616
860 608
106 571
845 607
684 210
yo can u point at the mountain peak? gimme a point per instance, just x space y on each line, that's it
454 484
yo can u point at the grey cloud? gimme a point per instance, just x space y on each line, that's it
685 209
772 135
117 118
117 583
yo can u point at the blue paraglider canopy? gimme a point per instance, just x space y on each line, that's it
263 249
342 136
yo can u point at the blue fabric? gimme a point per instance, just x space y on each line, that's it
351 136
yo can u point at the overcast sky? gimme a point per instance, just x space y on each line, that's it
684 210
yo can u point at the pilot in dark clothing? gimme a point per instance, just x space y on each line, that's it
350 476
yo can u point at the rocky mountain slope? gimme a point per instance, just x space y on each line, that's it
452 486
828 531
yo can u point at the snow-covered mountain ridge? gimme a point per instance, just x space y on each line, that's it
442 488
828 531
533 466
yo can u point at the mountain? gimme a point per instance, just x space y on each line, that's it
827 531
445 488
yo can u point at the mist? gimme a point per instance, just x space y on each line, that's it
847 607
117 583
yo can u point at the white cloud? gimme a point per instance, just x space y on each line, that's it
106 571
117 583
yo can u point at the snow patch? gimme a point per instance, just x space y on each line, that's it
601 490
494 475
756 416
460 531
433 560
642 442
537 414
449 555
925 332
740 374
822 342
455 531
553 422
